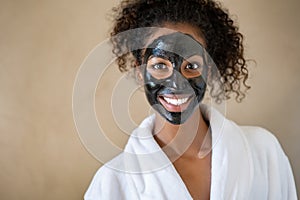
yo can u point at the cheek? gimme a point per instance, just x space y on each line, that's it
152 87
198 84
150 82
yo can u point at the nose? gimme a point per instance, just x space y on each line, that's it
177 81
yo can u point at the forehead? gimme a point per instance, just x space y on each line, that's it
184 28
179 38
178 43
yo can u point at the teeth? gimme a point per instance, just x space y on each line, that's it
176 102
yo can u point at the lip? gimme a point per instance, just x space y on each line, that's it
175 103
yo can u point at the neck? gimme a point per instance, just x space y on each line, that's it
184 140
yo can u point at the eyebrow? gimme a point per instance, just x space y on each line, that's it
162 54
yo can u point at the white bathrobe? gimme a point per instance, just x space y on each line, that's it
247 163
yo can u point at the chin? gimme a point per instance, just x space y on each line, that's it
176 118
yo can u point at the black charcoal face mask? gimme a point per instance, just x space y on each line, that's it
175 76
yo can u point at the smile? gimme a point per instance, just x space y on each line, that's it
176 102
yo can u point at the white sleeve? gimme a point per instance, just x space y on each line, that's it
288 182
273 166
284 184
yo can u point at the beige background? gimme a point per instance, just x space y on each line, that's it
43 43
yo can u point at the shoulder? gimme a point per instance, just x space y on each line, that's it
253 138
109 183
263 143
265 147
101 183
260 137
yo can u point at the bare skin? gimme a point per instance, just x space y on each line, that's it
194 171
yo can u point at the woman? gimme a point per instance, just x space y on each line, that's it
201 155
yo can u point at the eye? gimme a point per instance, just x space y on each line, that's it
160 66
192 70
192 66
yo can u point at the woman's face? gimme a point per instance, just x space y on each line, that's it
175 72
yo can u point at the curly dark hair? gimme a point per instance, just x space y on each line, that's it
224 41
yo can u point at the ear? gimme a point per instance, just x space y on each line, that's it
139 75
209 74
